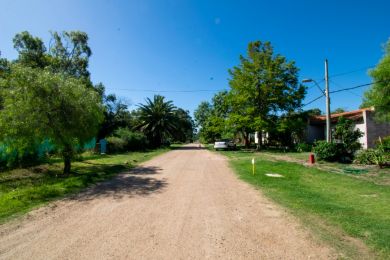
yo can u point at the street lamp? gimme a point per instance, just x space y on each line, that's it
315 83
326 94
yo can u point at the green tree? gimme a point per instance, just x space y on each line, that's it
217 122
185 126
68 53
32 51
290 128
4 71
40 105
265 83
202 116
338 110
212 118
314 112
157 120
4 66
345 133
116 115
240 118
378 95
202 113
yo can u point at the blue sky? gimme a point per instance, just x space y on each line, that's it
170 46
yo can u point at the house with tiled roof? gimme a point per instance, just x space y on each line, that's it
363 119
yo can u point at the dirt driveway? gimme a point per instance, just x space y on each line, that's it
185 204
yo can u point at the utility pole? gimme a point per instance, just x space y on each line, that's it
326 93
328 122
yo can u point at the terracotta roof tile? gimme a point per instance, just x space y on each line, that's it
355 114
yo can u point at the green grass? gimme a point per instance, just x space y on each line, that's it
24 189
334 205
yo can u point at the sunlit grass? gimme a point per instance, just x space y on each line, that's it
357 207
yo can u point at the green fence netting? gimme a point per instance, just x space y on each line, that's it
8 156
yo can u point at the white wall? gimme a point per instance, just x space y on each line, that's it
264 137
363 139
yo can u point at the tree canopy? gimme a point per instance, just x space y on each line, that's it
378 95
68 52
211 118
264 83
161 121
40 105
46 95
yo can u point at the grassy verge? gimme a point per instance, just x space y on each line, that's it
340 208
369 173
24 189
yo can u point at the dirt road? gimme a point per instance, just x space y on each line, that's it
185 204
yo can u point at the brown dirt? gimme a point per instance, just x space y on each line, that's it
185 204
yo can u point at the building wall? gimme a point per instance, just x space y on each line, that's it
362 128
375 130
370 128
264 137
315 132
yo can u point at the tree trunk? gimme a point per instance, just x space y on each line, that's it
246 139
67 154
259 140
67 164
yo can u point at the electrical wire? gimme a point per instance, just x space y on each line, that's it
210 90
359 86
353 93
172 91
346 73
312 101
352 71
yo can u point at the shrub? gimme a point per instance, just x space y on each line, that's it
303 147
345 145
327 151
350 138
116 144
365 157
384 143
134 140
372 156
14 158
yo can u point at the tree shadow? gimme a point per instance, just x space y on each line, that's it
188 148
129 184
144 170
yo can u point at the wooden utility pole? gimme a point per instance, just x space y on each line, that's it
328 122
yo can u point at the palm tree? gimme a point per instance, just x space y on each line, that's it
157 120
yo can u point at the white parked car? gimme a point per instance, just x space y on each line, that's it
224 145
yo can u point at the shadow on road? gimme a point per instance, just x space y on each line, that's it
188 148
145 170
133 183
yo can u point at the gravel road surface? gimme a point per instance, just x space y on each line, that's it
185 204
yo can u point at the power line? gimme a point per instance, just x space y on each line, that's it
335 91
172 91
347 72
359 86
209 90
312 101
334 83
352 71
